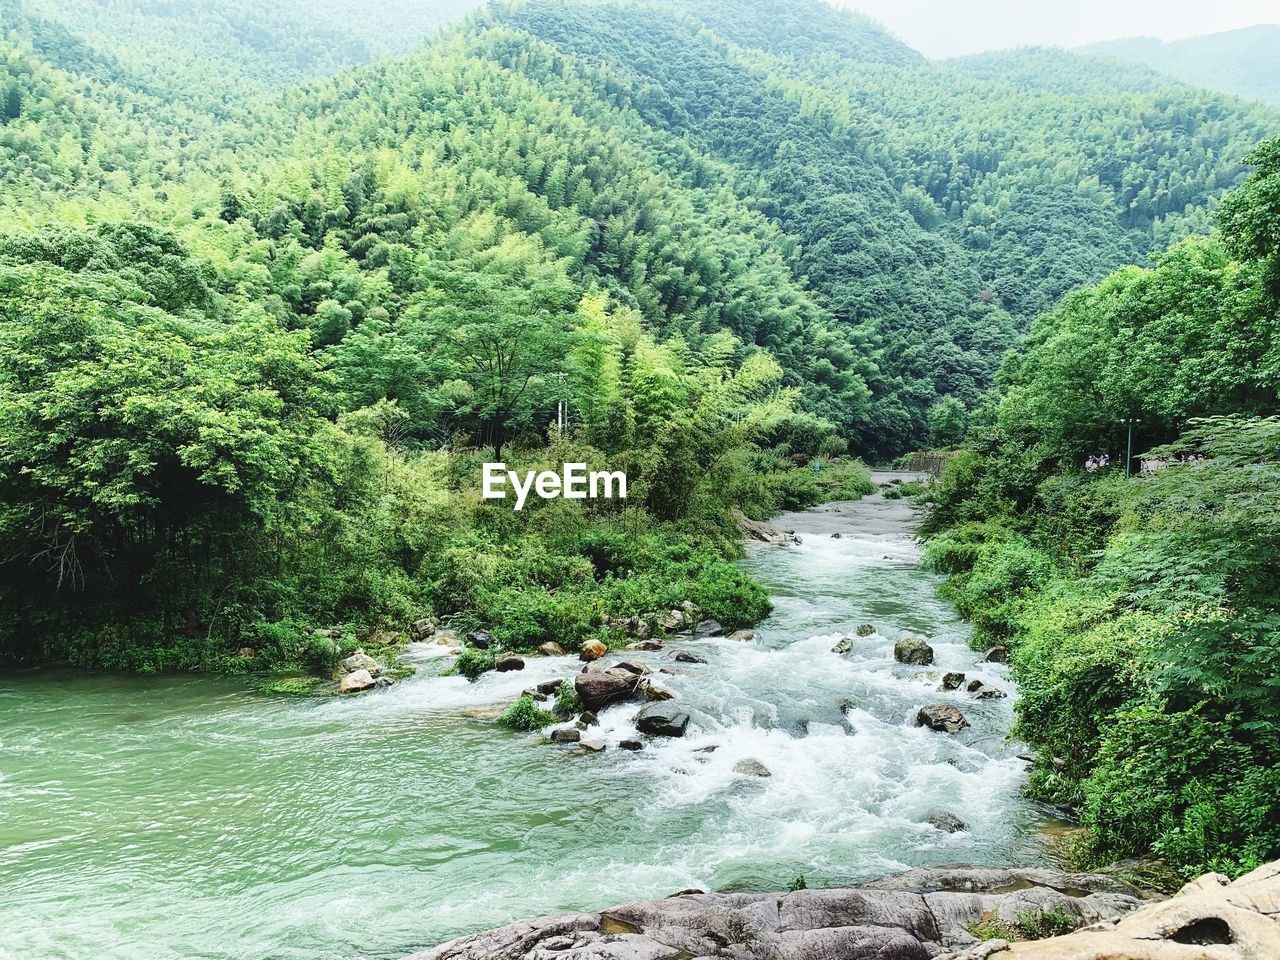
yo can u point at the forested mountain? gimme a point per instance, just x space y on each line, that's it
213 53
1242 62
920 215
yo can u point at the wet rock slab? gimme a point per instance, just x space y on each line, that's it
914 916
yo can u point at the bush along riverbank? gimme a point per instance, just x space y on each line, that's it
1142 614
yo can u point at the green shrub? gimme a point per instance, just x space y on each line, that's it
472 662
1040 924
525 715
568 703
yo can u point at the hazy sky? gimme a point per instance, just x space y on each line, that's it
945 28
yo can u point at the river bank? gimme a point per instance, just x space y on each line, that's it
163 818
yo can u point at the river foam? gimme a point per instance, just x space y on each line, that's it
158 819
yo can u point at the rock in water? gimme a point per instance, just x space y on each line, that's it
946 822
865 630
843 645
646 645
751 768
480 639
592 650
638 669
359 661
598 689
942 717
997 654
591 746
952 680
742 635
709 628
662 720
509 662
422 629
632 745
566 735
551 649
913 650
686 657
356 681
653 692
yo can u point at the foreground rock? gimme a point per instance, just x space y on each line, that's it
762 532
913 650
942 717
356 682
598 689
592 650
662 720
914 916
1210 919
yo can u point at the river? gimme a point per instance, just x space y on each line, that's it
177 818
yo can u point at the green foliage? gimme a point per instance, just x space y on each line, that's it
568 703
526 716
1040 924
472 662
1142 614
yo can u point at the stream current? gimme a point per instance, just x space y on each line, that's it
177 818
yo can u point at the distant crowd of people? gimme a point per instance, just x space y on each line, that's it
1149 465
1152 464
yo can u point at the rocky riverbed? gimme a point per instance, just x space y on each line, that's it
928 913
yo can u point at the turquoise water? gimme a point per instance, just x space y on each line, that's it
167 818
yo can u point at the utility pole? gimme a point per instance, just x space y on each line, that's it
1128 460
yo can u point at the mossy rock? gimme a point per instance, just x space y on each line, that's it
296 687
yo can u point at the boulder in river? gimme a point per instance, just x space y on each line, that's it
843 645
742 635
762 532
359 661
952 680
942 717
549 686
997 654
509 662
913 650
751 768
709 628
865 630
662 720
670 620
551 649
422 629
480 639
598 689
591 746
566 735
592 650
651 646
685 656
655 693
630 744
988 693
944 821
837 536
356 681
639 669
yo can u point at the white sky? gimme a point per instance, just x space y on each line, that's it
947 28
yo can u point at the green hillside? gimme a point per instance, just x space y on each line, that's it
1244 62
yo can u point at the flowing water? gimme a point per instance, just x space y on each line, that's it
182 818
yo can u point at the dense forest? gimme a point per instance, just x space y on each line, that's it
1142 613
270 296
